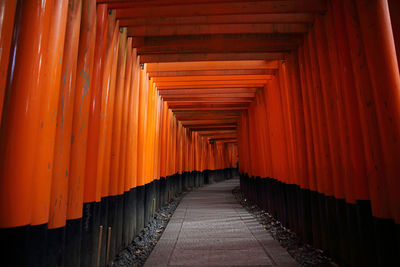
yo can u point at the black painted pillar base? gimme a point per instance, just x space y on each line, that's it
104 222
73 236
365 228
15 246
127 220
386 246
37 245
147 202
140 200
55 246
90 233
112 213
119 224
157 193
163 191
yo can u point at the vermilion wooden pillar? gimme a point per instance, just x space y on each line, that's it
123 74
377 35
62 144
288 122
330 105
142 122
311 170
81 109
79 133
124 186
301 156
366 106
49 83
325 170
132 134
19 129
266 132
115 213
7 14
164 140
394 9
90 187
21 112
91 198
107 112
314 142
61 170
295 94
379 46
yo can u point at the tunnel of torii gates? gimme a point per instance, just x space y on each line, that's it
111 108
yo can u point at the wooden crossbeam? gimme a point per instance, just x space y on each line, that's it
212 127
211 78
215 132
217 43
198 117
208 96
214 139
206 91
207 113
204 100
174 30
193 73
209 122
233 140
205 107
222 56
212 85
306 18
213 65
208 9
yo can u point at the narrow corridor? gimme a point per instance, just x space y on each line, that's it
110 108
210 228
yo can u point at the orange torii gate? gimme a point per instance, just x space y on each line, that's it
109 108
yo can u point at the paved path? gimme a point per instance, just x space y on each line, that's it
210 228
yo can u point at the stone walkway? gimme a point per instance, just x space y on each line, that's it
209 228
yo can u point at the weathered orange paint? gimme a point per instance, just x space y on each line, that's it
164 144
129 80
62 146
79 138
122 74
49 84
132 135
91 184
142 122
106 122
